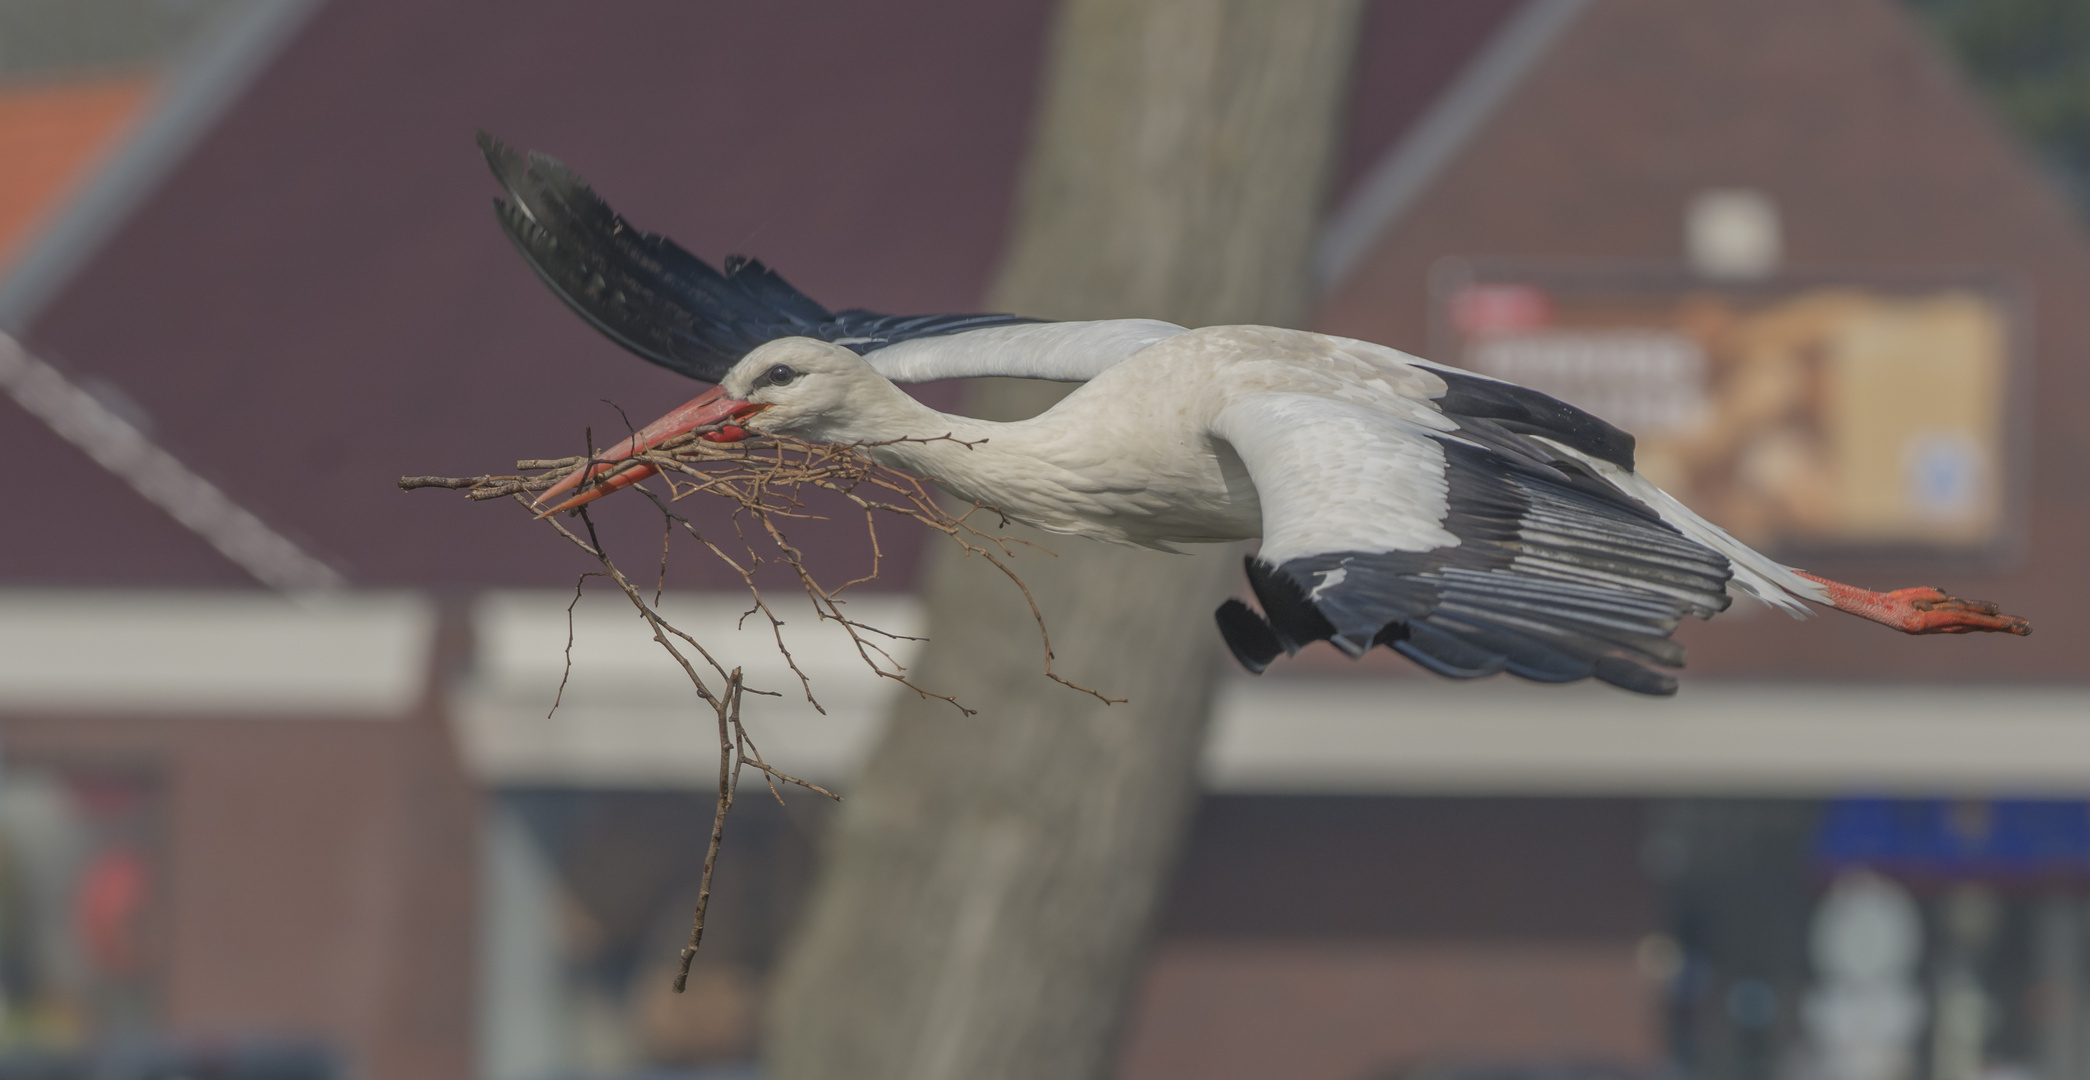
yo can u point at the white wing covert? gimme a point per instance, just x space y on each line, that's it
1058 351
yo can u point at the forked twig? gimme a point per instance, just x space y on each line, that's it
725 703
766 481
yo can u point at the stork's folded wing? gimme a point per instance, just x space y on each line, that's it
1459 543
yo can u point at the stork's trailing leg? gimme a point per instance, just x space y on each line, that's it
1921 610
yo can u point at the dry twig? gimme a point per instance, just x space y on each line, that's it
765 481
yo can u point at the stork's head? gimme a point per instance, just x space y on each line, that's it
800 387
809 390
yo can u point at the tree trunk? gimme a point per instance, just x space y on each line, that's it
991 880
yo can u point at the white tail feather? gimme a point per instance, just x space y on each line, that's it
1755 573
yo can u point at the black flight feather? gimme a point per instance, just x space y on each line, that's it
646 293
1528 412
1247 635
1558 576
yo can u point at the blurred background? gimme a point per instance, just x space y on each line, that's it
279 796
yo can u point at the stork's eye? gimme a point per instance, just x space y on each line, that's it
780 375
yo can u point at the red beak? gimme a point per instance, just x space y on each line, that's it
711 408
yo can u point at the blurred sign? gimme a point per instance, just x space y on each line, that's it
1798 412
1957 838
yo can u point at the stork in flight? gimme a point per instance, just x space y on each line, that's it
1469 524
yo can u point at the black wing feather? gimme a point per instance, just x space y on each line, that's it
1250 639
1528 412
651 296
1558 576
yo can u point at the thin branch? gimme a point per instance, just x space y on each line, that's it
766 483
567 671
728 720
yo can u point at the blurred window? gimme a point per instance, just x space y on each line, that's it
79 900
586 907
1876 939
1732 233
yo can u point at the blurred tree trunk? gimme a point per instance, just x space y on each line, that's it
991 881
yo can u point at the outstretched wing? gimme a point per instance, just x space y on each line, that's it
1459 541
646 293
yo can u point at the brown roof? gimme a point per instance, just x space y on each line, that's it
1407 52
1878 157
318 301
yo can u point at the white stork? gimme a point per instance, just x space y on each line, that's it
1470 524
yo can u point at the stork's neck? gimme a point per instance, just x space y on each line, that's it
1093 465
972 459
958 452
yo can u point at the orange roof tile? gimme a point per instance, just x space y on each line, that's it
51 136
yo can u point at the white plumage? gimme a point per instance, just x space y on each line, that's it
1470 524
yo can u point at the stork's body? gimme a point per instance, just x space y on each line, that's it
1470 524
1114 460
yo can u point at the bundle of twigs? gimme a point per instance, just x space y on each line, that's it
765 482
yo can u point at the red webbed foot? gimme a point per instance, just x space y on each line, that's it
1921 610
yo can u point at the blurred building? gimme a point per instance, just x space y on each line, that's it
280 781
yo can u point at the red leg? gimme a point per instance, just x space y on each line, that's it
1921 610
